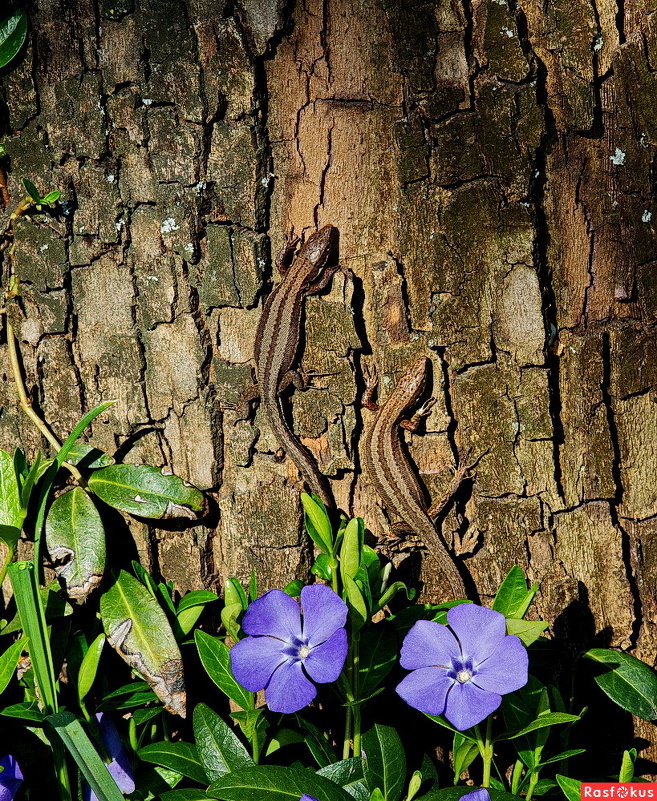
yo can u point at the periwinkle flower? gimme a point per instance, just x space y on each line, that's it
10 778
481 794
119 768
306 797
290 647
462 671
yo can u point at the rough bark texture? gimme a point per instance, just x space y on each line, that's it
489 165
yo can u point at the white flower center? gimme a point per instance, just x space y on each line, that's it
304 651
463 675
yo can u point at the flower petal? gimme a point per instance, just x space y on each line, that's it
468 705
481 794
10 779
478 629
274 614
426 689
324 612
325 662
505 670
120 768
254 659
306 797
429 644
289 690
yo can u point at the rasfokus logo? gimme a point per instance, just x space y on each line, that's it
618 790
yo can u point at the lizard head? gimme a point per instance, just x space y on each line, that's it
321 249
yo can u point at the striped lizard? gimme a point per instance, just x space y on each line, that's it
392 476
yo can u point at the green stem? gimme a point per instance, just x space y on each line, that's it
485 746
61 770
533 781
255 746
355 684
348 719
26 404
6 563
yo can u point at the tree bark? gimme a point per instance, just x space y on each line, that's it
489 165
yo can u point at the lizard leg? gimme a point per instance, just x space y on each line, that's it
242 406
414 423
286 253
371 377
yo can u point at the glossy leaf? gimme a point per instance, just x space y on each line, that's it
384 761
455 793
26 710
183 795
626 773
571 788
75 539
87 456
350 550
629 682
89 666
219 748
317 523
138 629
215 657
513 598
181 757
8 661
33 620
51 198
191 607
146 491
378 656
527 630
275 783
355 602
543 721
11 509
31 190
347 773
464 753
317 743
93 768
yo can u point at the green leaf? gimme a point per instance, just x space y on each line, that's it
566 755
350 550
181 757
626 773
26 710
8 661
215 657
93 768
455 793
347 773
31 190
219 748
464 753
12 513
183 795
32 477
384 761
318 745
196 598
89 666
138 629
30 608
13 31
513 598
571 787
51 198
317 523
88 457
10 536
144 490
629 682
378 649
541 722
527 630
75 539
275 783
355 602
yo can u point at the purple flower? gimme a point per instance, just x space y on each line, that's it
119 768
285 651
481 794
462 671
306 797
10 777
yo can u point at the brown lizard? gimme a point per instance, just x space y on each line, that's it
392 476
277 343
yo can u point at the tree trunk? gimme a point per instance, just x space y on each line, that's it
489 166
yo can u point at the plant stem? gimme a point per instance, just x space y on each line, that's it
61 768
26 404
355 681
348 719
6 563
487 752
